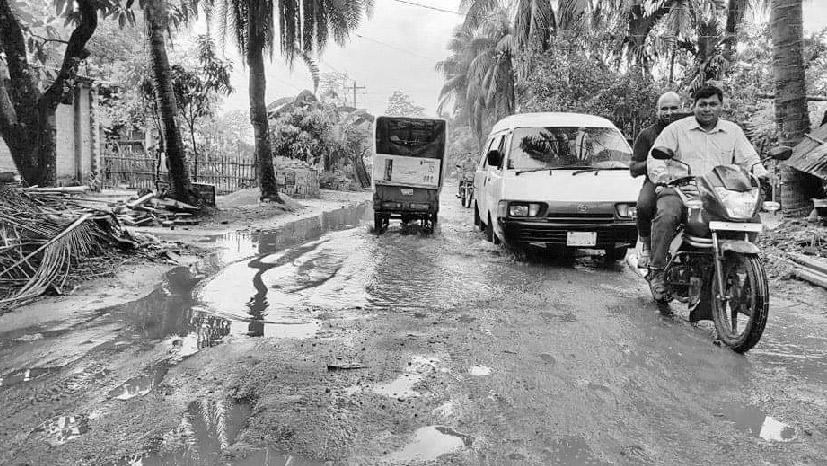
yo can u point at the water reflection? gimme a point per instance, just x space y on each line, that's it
430 443
754 421
260 295
205 432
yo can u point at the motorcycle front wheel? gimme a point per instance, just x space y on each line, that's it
740 319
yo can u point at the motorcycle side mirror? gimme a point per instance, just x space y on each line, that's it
780 153
494 158
663 153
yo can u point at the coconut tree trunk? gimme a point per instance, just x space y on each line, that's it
791 115
734 17
258 109
155 13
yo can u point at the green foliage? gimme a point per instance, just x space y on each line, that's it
480 73
197 89
321 133
565 78
400 104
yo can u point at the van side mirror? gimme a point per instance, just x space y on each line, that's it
495 158
663 153
780 153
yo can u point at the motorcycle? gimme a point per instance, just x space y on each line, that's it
713 264
466 188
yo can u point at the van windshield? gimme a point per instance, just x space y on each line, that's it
560 147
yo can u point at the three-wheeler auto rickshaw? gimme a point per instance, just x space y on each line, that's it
408 170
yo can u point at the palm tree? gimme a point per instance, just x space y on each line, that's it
157 20
791 113
786 28
479 75
304 27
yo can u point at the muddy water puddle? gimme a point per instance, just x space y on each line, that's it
26 375
754 421
573 450
205 435
275 276
141 385
429 443
60 429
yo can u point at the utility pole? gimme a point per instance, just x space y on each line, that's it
355 88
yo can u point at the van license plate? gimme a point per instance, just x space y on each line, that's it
407 192
581 238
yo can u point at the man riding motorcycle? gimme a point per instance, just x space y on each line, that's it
701 141
465 171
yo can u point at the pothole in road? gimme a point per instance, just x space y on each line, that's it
430 443
59 430
559 316
206 431
26 375
403 386
141 385
479 371
571 450
753 421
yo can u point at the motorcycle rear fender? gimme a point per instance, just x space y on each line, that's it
743 247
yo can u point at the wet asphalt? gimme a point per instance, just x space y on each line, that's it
540 360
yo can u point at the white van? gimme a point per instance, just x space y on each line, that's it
559 180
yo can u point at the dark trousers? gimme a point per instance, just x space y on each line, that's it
646 202
668 217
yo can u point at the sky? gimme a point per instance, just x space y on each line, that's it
395 49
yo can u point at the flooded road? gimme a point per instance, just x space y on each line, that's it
322 343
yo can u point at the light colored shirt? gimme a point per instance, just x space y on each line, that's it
703 150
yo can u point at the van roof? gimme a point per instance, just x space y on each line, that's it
543 119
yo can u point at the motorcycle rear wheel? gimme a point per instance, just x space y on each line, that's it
748 292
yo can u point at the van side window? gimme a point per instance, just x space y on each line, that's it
495 143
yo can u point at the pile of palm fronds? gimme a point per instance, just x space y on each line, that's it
44 238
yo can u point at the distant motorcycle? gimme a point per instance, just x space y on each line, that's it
466 187
466 192
713 264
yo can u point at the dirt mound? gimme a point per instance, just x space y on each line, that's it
248 198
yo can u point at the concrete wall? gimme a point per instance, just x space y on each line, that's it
72 160
6 164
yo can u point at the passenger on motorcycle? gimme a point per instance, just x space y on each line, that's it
702 141
669 104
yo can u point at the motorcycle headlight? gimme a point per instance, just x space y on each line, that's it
626 210
738 204
524 209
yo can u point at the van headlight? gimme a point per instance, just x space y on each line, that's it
739 204
525 209
626 210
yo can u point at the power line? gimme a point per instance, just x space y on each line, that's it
429 7
396 47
